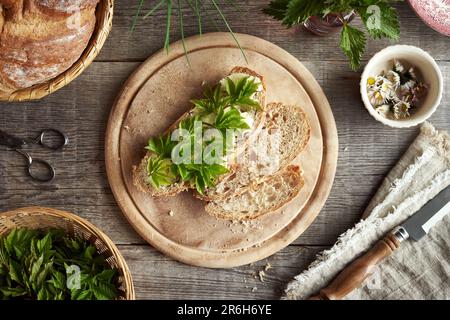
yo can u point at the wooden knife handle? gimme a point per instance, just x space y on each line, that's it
355 273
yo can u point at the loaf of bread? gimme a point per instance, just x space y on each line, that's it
40 39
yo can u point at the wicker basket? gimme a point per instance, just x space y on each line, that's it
103 26
46 218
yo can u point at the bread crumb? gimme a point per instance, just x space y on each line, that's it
268 267
261 275
346 149
171 213
243 226
127 128
254 289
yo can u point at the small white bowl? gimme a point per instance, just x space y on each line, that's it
426 69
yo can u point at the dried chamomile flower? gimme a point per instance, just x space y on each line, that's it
370 81
398 67
394 93
375 96
408 85
418 92
384 110
380 91
394 78
401 110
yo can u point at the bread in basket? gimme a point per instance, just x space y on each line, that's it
45 44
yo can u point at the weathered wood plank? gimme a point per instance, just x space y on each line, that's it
157 277
149 35
368 150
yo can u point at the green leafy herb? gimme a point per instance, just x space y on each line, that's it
198 7
53 266
230 119
242 93
298 11
160 172
353 42
214 99
220 109
388 26
203 175
379 17
161 146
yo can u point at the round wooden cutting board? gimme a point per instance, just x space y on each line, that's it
158 93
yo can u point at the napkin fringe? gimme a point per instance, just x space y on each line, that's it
409 173
439 139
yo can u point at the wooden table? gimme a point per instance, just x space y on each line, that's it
367 148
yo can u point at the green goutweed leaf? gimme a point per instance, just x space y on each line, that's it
33 265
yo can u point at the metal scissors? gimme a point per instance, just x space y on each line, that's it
16 144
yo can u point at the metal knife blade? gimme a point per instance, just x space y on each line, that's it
420 223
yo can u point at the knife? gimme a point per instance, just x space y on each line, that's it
415 228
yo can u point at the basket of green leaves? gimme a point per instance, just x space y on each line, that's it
48 254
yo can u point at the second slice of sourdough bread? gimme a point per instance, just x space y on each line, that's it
293 131
264 197
140 176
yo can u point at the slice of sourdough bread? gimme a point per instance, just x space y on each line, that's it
285 133
140 175
266 196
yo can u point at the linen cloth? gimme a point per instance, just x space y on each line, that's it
417 270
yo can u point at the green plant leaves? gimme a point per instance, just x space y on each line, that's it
292 12
205 175
197 8
230 119
161 146
168 25
277 9
298 11
213 100
160 172
241 93
36 265
353 43
380 19
219 109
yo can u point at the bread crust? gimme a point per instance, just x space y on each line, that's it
41 39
